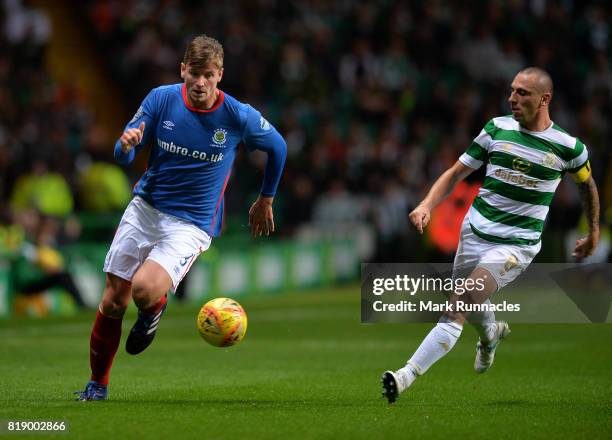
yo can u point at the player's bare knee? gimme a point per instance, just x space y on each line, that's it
116 296
114 303
113 307
149 284
146 292
141 292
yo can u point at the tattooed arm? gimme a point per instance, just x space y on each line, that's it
590 204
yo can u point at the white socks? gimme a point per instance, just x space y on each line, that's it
484 323
440 340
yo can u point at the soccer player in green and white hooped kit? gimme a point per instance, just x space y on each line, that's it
526 155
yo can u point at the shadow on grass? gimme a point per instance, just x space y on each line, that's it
274 403
245 404
236 403
283 403
280 403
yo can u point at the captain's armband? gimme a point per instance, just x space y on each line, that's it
582 174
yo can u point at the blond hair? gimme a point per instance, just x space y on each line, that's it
204 50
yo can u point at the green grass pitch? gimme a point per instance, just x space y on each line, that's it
308 369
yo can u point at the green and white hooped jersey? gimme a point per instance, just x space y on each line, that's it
524 169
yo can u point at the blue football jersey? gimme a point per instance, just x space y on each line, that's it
192 152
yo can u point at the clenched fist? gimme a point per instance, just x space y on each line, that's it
131 137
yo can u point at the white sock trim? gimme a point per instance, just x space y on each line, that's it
452 328
440 340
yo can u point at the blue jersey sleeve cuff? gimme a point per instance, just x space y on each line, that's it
122 157
277 153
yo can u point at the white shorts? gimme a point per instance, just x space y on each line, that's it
145 233
505 262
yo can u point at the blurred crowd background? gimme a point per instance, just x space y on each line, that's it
375 99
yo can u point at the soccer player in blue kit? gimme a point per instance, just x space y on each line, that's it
193 129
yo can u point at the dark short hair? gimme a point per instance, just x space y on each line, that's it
204 50
543 77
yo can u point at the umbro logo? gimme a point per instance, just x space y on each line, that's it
184 260
168 125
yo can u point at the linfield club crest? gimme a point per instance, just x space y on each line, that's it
219 136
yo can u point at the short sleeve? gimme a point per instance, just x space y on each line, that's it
579 167
477 153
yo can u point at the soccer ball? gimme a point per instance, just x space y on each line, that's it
222 322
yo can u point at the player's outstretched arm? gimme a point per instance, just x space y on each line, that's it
440 190
129 140
261 216
131 137
590 204
261 135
